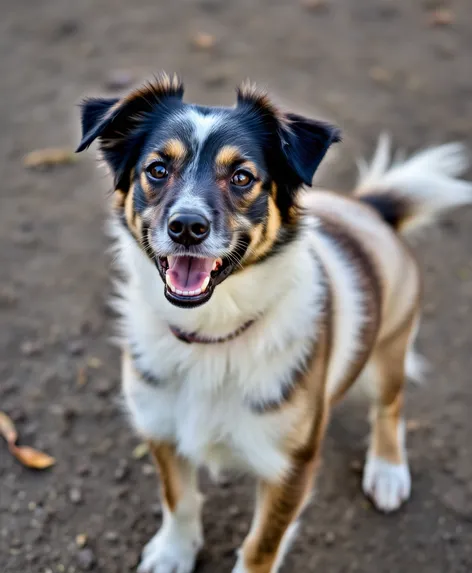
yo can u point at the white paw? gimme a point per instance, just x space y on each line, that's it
239 567
169 552
388 485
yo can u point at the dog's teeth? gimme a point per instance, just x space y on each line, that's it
217 263
199 291
178 291
169 283
205 284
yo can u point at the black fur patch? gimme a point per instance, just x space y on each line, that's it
257 211
393 210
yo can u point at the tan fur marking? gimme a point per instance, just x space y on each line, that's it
273 225
385 442
252 194
119 199
146 185
166 461
279 504
175 149
389 360
154 156
129 211
256 234
226 156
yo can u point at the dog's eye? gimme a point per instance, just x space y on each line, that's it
157 170
242 178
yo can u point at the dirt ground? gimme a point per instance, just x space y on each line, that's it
370 65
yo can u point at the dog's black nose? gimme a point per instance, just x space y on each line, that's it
188 228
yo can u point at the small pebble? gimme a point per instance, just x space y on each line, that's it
86 559
330 538
233 510
83 470
121 471
75 495
111 536
148 470
75 347
104 387
31 347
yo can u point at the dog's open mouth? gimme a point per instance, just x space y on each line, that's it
189 281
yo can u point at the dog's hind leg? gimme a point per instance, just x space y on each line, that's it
175 546
386 474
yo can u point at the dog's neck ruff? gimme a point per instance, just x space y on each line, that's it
194 337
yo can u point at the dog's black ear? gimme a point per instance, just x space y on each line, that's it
118 123
301 142
95 117
305 143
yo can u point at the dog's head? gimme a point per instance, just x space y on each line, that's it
204 190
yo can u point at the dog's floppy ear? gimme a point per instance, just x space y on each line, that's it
302 142
95 116
118 123
305 143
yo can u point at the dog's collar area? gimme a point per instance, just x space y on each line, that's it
195 338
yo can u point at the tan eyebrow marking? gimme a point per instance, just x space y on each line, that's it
173 149
227 155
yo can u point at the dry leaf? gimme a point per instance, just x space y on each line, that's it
7 429
32 458
49 157
203 41
315 4
380 75
441 17
82 376
140 451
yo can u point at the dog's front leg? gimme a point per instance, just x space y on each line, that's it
274 523
175 546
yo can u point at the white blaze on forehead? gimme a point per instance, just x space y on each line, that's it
202 124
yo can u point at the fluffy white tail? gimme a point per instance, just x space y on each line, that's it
409 193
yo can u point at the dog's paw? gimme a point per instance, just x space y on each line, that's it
239 567
387 485
168 552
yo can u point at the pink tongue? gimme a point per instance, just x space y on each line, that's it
188 273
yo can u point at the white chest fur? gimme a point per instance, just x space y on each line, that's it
203 400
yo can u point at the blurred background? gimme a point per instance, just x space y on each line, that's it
369 65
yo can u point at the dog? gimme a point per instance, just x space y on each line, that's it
249 306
